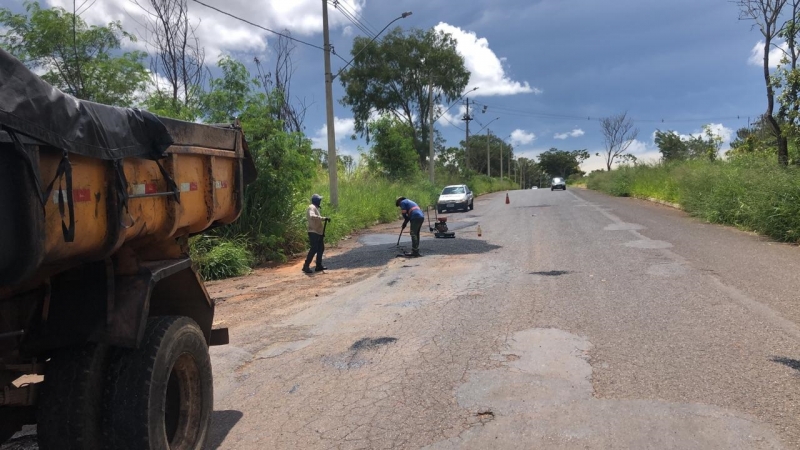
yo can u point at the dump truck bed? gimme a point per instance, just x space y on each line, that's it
140 206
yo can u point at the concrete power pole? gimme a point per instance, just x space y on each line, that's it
467 118
333 162
501 161
488 155
431 161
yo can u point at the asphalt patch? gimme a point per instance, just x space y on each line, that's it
552 273
377 256
369 343
788 362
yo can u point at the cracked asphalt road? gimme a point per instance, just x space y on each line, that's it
576 321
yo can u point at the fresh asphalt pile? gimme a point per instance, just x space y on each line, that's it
379 249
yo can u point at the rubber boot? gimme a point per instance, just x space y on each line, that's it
415 253
320 268
307 269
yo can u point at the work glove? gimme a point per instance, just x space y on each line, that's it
326 219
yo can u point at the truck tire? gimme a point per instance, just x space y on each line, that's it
160 396
69 414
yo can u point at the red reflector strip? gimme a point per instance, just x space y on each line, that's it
186 187
78 195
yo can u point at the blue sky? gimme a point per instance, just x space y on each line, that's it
547 68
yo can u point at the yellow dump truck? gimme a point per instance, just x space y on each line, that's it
104 322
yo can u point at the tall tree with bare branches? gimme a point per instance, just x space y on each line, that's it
619 133
177 56
766 14
291 113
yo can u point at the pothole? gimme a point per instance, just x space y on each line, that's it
552 273
368 343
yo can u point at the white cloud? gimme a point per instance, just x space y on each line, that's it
522 137
577 132
487 71
347 31
343 128
219 33
717 129
722 131
775 55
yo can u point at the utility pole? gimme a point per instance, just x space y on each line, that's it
333 162
431 162
488 155
501 161
467 119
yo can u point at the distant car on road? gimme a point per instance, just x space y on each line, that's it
558 183
535 187
457 196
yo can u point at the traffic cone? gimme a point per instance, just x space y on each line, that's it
507 200
479 231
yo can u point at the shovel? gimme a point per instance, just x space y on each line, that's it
399 236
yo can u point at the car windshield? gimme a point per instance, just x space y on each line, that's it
453 190
556 180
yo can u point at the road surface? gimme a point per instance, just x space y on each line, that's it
576 320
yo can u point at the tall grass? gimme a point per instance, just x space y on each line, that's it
218 258
747 192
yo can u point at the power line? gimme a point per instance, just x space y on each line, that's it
267 29
353 17
451 123
525 113
360 18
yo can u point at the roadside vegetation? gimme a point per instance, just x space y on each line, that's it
748 190
755 185
172 79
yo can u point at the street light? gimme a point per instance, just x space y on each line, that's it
329 77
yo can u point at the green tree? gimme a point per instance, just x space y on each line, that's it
393 147
83 61
766 15
284 160
671 146
392 76
229 94
477 153
562 163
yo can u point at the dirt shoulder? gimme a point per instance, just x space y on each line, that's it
283 290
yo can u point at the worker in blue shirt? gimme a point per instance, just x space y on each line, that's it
411 213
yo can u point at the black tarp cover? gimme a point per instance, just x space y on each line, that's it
30 106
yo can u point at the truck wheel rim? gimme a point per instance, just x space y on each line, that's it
183 403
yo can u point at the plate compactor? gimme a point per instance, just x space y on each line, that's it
439 228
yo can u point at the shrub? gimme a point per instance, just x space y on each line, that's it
218 258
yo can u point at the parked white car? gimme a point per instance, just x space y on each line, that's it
457 196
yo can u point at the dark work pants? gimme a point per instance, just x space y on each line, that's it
416 225
317 242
